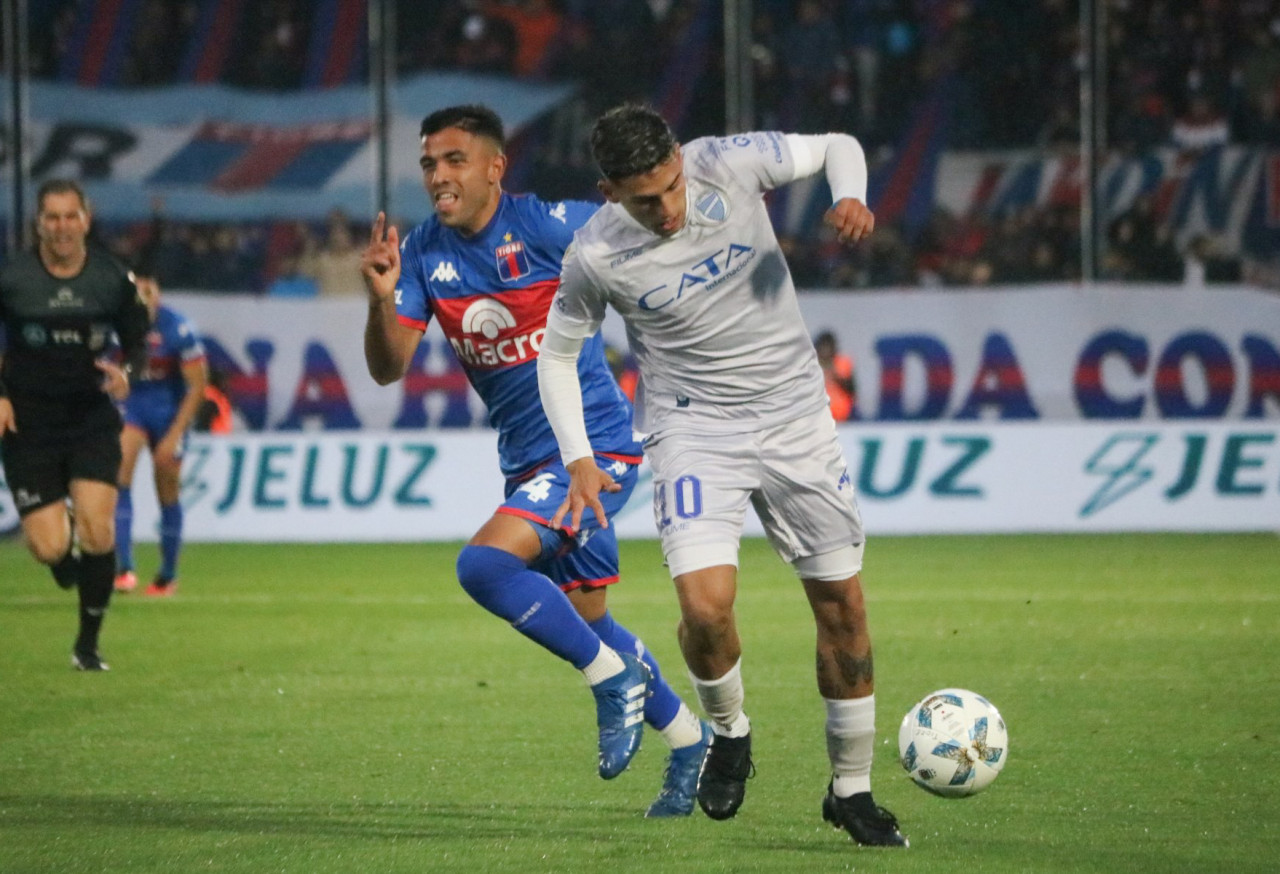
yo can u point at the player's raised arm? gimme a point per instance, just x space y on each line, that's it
388 345
841 156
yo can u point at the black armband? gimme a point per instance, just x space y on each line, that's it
4 389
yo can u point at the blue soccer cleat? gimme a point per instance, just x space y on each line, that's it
680 782
620 714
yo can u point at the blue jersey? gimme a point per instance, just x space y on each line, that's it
491 293
171 343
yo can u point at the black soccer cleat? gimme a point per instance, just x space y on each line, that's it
866 822
88 660
722 783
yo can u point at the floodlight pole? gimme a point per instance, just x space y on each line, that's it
382 67
739 91
15 122
1093 137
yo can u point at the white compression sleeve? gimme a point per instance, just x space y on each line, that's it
559 388
842 157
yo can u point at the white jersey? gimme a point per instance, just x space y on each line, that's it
711 311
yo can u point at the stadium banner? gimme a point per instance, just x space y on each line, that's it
1046 353
930 478
213 153
1230 194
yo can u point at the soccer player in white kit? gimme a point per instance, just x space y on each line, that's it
732 398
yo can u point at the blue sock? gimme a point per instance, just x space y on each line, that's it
170 540
124 530
663 705
500 583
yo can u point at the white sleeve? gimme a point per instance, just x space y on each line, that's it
574 316
840 154
559 388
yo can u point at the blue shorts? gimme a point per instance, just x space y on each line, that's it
152 416
589 558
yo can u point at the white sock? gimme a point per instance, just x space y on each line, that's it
684 730
722 701
606 664
851 735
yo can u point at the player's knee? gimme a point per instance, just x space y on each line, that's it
48 552
706 617
482 569
96 536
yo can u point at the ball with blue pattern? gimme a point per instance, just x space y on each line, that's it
953 743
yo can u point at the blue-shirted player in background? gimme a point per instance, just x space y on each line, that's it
486 267
157 415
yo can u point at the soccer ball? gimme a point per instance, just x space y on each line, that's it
953 743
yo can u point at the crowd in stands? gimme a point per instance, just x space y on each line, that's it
1187 74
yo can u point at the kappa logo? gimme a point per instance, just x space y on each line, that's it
445 272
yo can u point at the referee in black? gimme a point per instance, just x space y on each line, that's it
62 306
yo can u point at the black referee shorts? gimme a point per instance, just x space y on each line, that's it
40 464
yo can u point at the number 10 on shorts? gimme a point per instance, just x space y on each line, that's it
684 496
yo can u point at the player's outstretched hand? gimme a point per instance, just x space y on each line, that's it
7 421
380 264
114 381
586 482
851 219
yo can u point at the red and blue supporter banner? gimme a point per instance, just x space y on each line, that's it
207 52
337 47
238 157
214 153
100 41
902 190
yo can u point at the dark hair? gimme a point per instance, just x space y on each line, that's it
480 121
629 140
60 186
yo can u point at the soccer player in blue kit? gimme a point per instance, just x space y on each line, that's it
158 414
487 266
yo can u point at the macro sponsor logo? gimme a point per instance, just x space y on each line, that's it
705 274
484 322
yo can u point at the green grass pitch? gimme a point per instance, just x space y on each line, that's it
343 708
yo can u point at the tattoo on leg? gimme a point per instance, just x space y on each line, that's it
844 671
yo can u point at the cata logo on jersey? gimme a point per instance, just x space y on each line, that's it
721 265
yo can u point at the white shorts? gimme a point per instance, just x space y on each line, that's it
794 475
